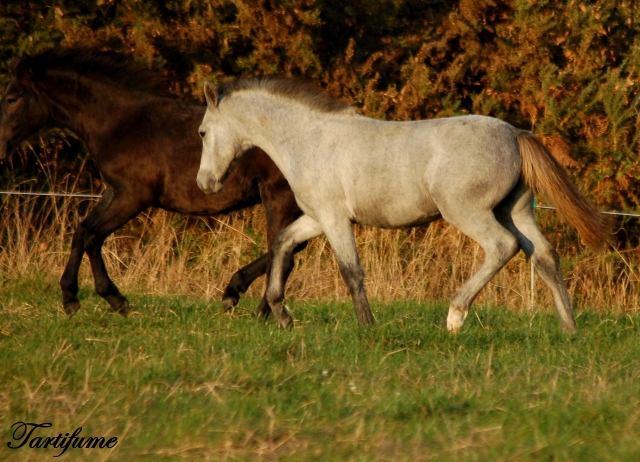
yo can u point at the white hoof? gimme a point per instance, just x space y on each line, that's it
455 320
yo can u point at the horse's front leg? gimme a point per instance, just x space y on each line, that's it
264 311
340 236
112 212
301 230
69 279
242 279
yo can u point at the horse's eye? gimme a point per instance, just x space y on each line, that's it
12 100
202 134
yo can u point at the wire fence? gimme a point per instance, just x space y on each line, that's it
535 206
622 214
98 196
50 194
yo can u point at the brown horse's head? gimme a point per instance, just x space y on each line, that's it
21 110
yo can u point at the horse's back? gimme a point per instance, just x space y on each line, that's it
408 171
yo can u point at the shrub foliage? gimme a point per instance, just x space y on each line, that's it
568 70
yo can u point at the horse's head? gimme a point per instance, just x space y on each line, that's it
21 111
220 144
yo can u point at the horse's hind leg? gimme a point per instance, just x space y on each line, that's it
499 246
544 257
282 248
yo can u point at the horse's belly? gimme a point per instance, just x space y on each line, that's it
395 213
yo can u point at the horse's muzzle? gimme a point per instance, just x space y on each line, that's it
208 183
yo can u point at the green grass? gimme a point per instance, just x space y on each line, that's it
179 379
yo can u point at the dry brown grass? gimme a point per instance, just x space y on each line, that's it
162 253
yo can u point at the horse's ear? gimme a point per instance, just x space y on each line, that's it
28 68
210 94
20 64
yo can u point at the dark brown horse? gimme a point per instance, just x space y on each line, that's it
146 145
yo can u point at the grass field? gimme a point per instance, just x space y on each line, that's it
179 379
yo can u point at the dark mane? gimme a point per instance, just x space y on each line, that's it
116 68
300 90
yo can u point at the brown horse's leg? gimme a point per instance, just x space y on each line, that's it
281 210
242 279
112 212
245 276
69 279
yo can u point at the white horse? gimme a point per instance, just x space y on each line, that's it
476 172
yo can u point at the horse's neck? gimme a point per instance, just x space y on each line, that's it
273 125
91 110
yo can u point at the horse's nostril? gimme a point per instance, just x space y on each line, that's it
202 134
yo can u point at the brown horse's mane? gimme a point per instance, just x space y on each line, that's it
118 69
314 97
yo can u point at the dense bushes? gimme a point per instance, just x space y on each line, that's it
568 70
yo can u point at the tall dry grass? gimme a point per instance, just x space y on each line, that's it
163 253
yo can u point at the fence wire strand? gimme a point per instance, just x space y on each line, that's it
50 194
535 206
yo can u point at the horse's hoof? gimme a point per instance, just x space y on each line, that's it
285 321
123 309
455 320
71 308
229 302
230 299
